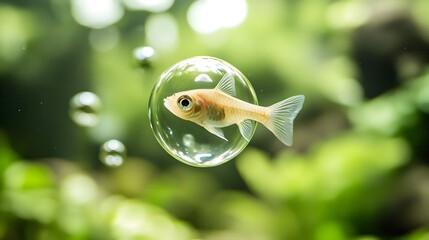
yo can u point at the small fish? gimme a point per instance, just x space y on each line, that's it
216 108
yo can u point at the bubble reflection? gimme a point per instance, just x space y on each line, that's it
199 152
203 78
188 140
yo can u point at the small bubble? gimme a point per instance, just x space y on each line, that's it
112 153
84 109
144 56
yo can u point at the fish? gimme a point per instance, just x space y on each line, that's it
218 107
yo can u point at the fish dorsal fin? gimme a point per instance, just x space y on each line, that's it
227 84
246 129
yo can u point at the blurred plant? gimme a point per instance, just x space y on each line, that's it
333 192
358 169
45 204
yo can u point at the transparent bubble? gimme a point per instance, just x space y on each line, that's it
186 140
85 108
144 56
113 153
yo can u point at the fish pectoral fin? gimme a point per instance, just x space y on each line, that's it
246 128
216 131
227 84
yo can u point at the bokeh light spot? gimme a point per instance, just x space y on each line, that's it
97 13
162 31
149 5
79 189
16 29
347 14
208 16
104 39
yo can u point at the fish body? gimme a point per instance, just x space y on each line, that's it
216 108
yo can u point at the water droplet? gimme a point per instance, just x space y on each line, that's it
112 153
144 56
84 109
185 140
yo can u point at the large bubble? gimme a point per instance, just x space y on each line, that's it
186 140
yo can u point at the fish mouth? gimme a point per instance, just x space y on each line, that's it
167 104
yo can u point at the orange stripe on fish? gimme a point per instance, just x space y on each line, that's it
216 108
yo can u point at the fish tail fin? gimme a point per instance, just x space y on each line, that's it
281 116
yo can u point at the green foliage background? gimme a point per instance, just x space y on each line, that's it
358 168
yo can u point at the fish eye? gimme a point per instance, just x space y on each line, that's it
185 102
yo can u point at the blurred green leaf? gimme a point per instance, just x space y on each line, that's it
32 204
331 231
25 176
329 169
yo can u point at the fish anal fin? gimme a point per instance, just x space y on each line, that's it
246 128
227 84
281 118
216 131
